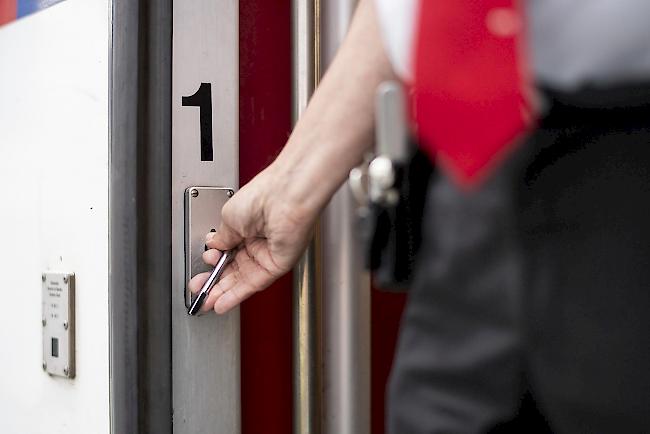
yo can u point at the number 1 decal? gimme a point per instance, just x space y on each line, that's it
202 98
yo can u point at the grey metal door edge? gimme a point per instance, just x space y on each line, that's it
140 216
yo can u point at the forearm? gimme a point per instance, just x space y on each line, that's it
337 127
271 217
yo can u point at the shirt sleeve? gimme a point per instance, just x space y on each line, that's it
397 21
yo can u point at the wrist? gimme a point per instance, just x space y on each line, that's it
302 183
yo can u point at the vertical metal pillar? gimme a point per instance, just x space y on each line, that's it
123 216
346 286
140 217
329 280
307 279
205 350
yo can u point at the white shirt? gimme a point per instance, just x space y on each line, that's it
573 43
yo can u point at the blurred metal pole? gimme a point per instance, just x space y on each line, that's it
346 286
307 336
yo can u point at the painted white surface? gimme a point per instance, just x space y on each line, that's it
54 211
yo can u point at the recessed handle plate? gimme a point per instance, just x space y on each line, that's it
202 215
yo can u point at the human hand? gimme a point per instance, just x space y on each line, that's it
269 232
269 220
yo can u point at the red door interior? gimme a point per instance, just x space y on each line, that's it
264 126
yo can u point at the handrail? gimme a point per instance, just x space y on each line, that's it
307 336
346 286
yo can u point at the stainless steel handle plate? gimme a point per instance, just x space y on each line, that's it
202 215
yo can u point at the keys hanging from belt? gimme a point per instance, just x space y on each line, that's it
390 190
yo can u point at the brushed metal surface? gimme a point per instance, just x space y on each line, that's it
307 330
202 215
124 132
346 327
206 358
390 122
307 354
346 285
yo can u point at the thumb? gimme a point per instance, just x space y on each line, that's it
225 238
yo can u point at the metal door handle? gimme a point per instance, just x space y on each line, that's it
202 215
223 262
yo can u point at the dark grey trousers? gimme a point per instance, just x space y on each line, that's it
530 310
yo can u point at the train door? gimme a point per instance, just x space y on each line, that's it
124 125
316 348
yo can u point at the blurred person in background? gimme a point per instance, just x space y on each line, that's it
529 310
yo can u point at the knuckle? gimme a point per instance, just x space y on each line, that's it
227 211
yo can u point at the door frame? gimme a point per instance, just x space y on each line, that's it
140 216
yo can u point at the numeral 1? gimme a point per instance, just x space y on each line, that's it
203 99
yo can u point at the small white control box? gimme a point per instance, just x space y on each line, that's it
58 324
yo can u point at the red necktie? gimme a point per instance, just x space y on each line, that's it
471 94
